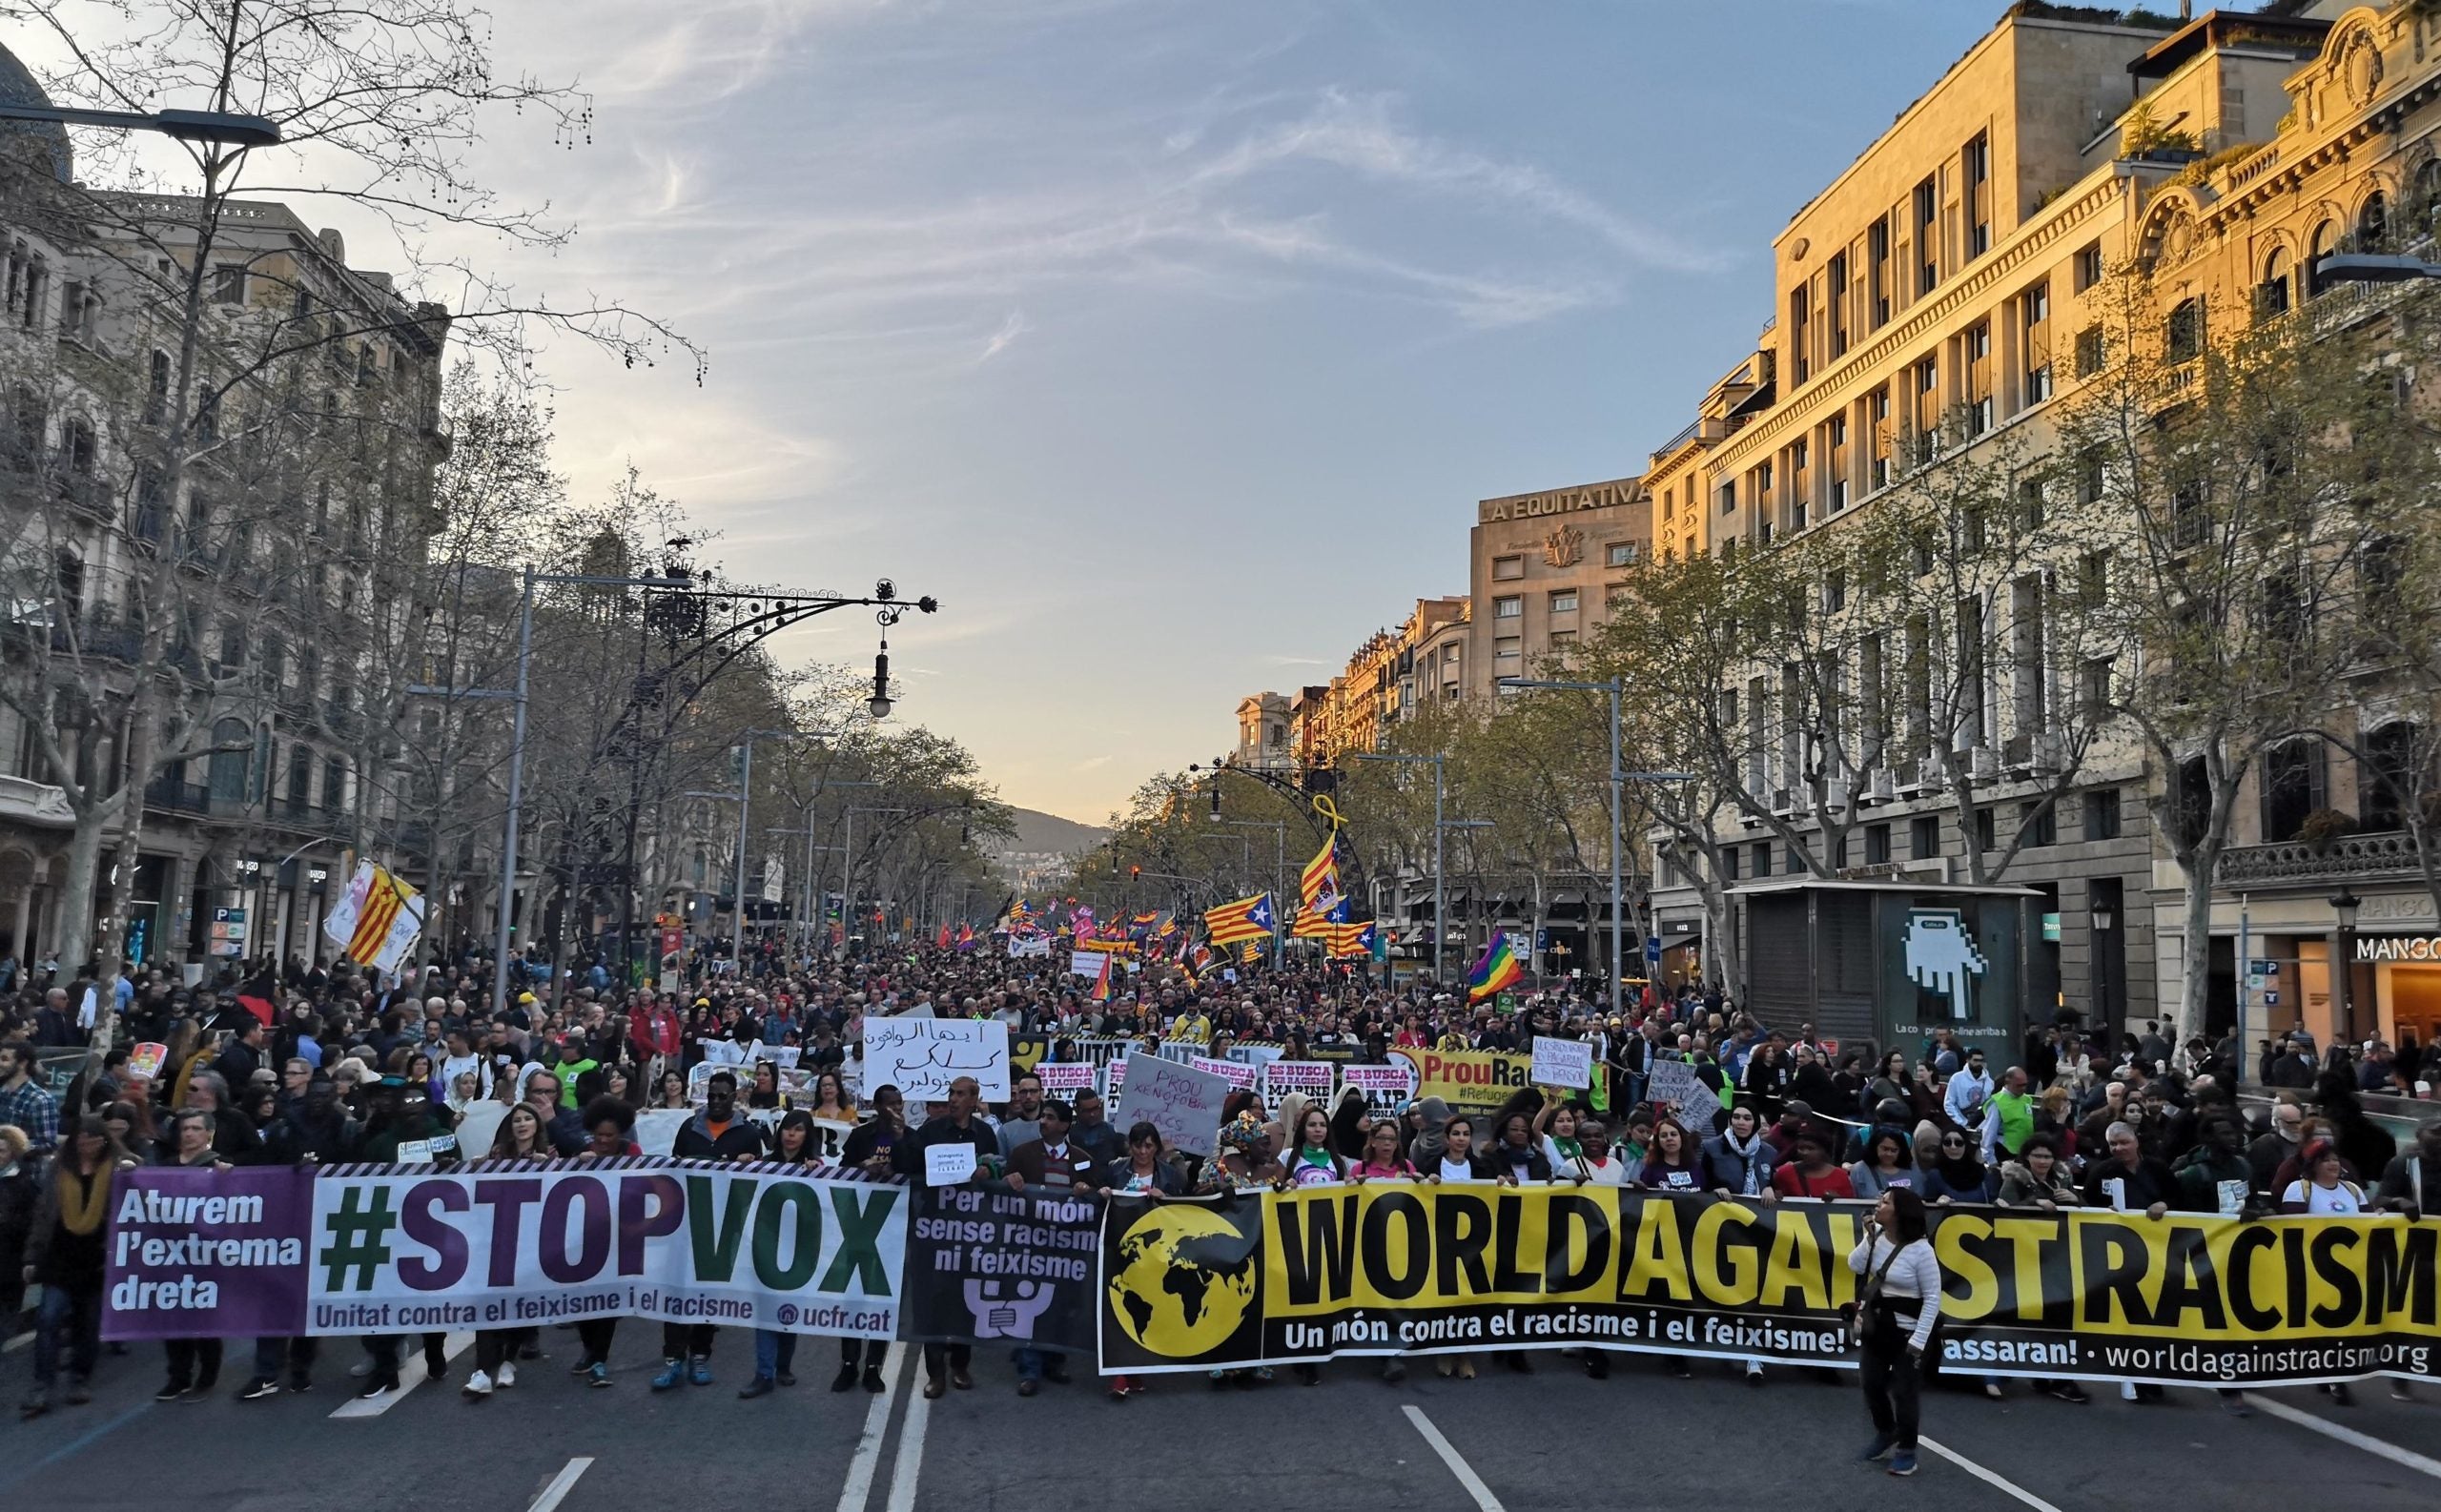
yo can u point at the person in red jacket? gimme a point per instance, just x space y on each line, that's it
652 1028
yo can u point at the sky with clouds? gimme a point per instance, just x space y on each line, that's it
1169 344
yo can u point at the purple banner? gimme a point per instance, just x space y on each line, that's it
208 1254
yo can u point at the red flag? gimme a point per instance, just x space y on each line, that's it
260 1007
942 941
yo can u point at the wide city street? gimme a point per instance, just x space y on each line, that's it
1640 1440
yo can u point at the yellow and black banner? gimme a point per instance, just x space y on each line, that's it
1469 1080
1392 1268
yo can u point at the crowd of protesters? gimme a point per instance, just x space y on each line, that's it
305 1063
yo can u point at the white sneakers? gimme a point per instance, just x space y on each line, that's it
507 1374
478 1386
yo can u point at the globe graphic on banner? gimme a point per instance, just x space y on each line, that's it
1182 1283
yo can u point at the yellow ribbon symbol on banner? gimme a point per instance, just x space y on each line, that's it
1330 811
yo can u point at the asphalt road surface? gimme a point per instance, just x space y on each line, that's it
1499 1443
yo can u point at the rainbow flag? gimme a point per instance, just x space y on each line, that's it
1245 919
1101 981
1495 972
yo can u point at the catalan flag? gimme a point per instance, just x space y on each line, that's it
1352 938
1317 924
1495 972
1252 954
1245 919
1318 891
377 919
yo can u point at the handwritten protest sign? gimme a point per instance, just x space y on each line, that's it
1675 1085
1180 1101
946 1165
1562 1062
921 1056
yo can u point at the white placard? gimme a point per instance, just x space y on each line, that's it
722 1052
1237 1074
831 1139
1562 1062
1180 1101
947 1165
478 1126
783 1057
1312 1078
657 1128
1385 1087
1066 1079
921 1056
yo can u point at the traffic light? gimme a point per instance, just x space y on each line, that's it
1136 873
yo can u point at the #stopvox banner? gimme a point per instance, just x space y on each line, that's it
989 1266
1391 1268
501 1244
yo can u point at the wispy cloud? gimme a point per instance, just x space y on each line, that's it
1093 762
1012 328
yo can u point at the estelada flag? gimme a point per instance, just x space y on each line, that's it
377 919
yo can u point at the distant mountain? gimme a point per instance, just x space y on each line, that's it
1048 834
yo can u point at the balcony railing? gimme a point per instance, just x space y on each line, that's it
2384 853
177 797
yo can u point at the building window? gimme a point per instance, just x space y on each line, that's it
2102 814
228 283
1504 651
1508 607
2086 269
1835 591
1729 864
1800 332
1505 568
2184 332
1563 642
1877 279
1877 411
2038 822
2326 241
1928 235
2089 352
1623 553
1449 653
1836 310
1877 844
1925 837
1563 601
1977 163
2271 295
2293 784
1986 832
1978 378
1728 498
1762 856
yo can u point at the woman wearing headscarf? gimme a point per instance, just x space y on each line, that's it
1957 1173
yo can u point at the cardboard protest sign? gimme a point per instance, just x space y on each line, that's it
1562 1062
1180 1101
921 1056
1385 1087
1675 1085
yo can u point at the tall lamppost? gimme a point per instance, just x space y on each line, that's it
1619 776
186 126
1279 828
1439 764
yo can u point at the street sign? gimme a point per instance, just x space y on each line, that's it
2271 1000
2263 967
1653 948
2254 981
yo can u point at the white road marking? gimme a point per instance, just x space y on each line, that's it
1986 1476
1457 1463
909 1462
411 1375
561 1484
18 1344
2349 1436
858 1488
